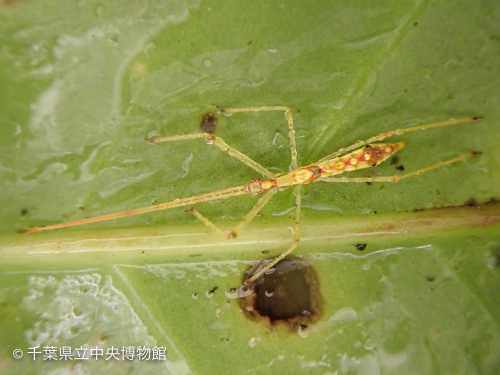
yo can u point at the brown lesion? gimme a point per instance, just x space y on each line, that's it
288 297
208 123
471 202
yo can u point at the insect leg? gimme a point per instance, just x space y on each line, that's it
243 223
210 139
207 222
296 238
216 195
396 178
288 117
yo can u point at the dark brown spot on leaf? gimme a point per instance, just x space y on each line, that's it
287 296
208 123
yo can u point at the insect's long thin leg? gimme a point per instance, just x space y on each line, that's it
252 213
216 195
288 117
383 136
243 223
210 139
296 238
207 222
396 178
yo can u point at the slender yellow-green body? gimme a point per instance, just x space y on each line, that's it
364 157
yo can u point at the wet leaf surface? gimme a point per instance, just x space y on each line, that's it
83 85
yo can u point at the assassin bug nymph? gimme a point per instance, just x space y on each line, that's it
362 154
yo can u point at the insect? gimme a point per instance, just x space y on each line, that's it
362 154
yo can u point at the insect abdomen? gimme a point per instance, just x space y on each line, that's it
368 156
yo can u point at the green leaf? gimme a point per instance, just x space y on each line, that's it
83 84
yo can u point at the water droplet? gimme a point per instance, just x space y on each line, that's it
269 293
366 267
207 63
344 314
194 296
208 141
253 341
369 345
219 313
232 293
209 294
153 134
270 271
303 331
245 291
